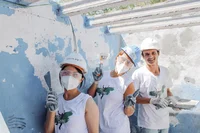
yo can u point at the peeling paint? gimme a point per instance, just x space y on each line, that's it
44 51
59 58
28 52
52 47
21 80
6 10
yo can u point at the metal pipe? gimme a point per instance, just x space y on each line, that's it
157 25
140 15
72 3
96 5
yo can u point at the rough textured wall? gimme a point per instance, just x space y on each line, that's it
33 41
180 53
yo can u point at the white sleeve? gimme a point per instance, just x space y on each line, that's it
136 81
127 83
169 83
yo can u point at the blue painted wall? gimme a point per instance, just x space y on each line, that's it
35 40
22 95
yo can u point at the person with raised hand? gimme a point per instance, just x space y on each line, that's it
72 111
114 92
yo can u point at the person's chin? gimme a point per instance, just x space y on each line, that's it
151 62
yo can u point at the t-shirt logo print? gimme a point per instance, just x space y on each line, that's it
104 91
62 118
157 93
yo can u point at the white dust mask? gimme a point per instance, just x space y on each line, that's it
69 82
121 68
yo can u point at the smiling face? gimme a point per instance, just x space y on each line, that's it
150 56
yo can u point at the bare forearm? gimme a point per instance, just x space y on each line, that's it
49 124
142 100
92 90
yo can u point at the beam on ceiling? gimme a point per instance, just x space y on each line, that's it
139 15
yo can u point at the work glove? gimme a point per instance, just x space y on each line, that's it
97 74
159 102
173 101
52 101
130 100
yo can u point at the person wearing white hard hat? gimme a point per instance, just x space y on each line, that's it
113 92
72 111
154 83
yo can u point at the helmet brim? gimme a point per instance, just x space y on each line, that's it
67 64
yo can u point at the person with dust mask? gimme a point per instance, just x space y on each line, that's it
72 111
114 90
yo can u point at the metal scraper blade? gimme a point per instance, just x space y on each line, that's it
47 78
136 93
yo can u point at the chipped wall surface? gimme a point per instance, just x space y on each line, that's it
33 41
180 54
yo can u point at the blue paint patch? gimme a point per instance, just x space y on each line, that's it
189 123
6 11
59 58
81 51
106 30
86 21
22 95
44 52
55 7
52 47
61 43
36 45
57 10
188 119
67 20
68 50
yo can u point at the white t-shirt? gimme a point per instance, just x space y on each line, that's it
148 116
73 112
111 107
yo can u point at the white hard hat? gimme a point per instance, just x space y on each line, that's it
76 60
149 43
